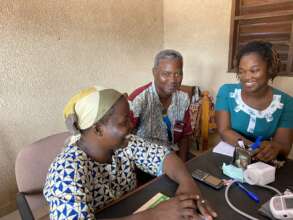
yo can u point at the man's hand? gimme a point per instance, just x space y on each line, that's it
268 151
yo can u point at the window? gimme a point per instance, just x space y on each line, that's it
269 20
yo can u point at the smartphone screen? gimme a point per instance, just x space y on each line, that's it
213 180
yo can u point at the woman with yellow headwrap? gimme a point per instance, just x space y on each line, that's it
98 163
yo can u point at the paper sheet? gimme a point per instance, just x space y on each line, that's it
154 201
224 148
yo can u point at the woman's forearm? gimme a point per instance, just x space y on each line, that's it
176 169
283 140
231 137
284 148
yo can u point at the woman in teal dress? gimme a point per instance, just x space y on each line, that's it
253 108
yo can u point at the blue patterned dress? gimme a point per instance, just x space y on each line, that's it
77 186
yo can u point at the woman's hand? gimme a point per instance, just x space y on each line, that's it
176 170
268 151
179 207
189 187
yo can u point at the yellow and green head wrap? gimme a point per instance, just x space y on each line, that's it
87 107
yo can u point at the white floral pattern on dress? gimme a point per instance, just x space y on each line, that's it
254 113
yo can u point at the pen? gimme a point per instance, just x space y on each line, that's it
251 195
257 143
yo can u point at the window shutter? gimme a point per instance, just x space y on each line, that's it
269 20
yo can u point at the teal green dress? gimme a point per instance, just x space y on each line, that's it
250 122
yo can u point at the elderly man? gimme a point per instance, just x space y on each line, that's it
159 110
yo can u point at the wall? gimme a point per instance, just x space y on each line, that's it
200 30
50 49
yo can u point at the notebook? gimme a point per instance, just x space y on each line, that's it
154 201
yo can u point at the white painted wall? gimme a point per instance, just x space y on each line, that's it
50 49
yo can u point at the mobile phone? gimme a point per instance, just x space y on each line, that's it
282 206
207 178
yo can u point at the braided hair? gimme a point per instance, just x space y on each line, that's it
266 51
